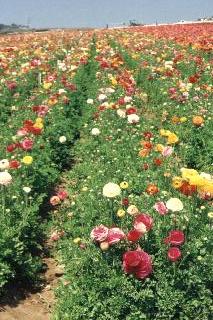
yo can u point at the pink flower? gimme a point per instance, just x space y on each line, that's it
62 195
161 208
175 238
174 254
138 263
115 235
22 132
143 222
99 233
167 151
54 200
27 144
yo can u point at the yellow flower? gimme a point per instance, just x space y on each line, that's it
77 240
124 185
38 125
165 133
183 119
39 120
113 81
207 188
177 182
172 138
159 147
47 85
121 213
197 181
27 160
210 215
188 173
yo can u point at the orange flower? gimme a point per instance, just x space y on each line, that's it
152 189
197 120
175 120
144 152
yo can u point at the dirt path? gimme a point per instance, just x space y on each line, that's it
37 305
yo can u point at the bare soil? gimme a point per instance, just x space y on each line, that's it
22 304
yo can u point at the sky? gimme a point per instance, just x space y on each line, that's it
99 13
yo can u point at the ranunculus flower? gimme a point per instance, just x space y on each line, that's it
134 235
161 208
5 178
132 210
62 195
95 132
143 219
121 113
27 144
11 147
138 263
4 164
175 238
99 233
54 200
111 190
62 139
14 164
174 204
174 254
115 235
167 151
133 118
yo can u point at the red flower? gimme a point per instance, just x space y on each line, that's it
131 110
175 238
144 219
187 189
138 263
11 147
174 254
115 235
134 235
14 164
62 194
125 202
157 161
147 135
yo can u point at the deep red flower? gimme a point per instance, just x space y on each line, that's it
175 238
125 202
147 135
138 263
134 235
174 254
11 147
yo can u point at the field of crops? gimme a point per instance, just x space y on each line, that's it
106 153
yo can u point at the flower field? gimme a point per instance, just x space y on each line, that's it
106 151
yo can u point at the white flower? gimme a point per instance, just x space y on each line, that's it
102 97
62 139
133 118
121 113
206 176
174 204
132 210
111 190
60 91
95 132
109 90
4 164
90 101
5 178
26 189
127 99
